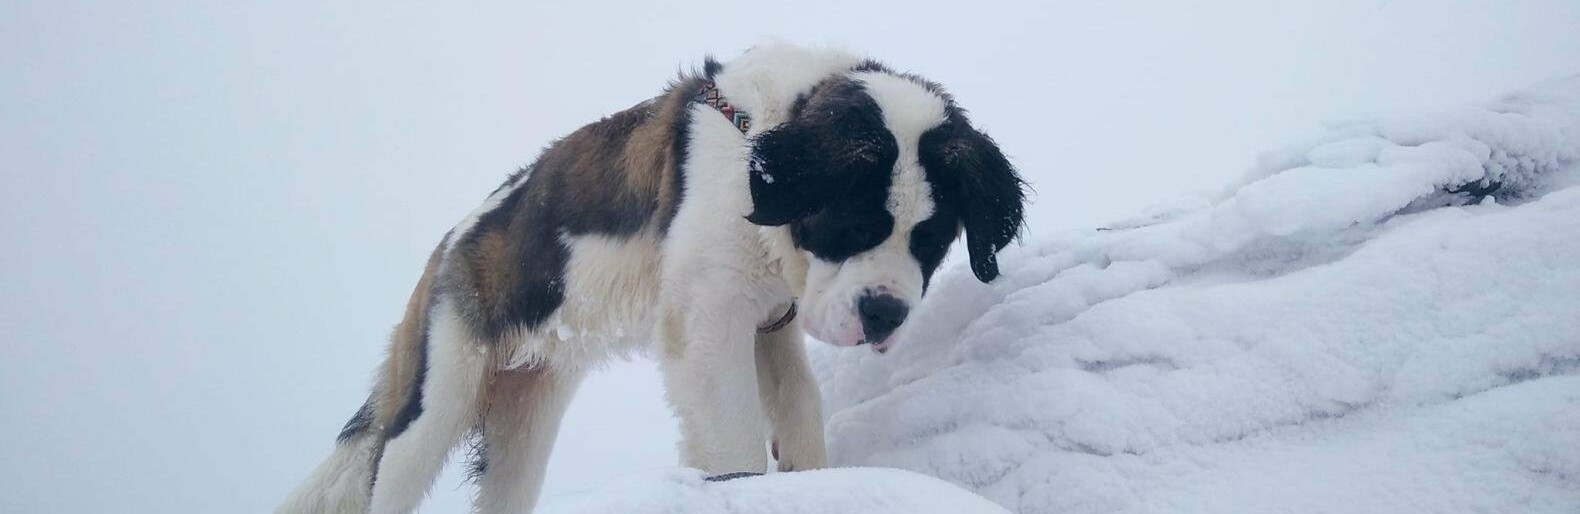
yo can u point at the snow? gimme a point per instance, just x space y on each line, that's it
1355 326
867 491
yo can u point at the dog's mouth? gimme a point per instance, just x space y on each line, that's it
880 346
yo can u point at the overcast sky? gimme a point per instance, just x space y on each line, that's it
211 213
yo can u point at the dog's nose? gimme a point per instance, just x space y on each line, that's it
880 315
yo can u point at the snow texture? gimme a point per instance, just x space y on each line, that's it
856 490
1383 319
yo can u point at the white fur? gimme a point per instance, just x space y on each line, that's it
766 80
519 430
909 110
611 288
791 400
340 484
457 365
718 286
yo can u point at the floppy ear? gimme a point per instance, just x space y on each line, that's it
798 167
990 195
787 175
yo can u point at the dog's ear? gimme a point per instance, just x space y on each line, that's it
990 195
788 176
800 166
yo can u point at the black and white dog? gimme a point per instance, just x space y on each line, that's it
699 220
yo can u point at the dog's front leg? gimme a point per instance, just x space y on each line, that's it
791 399
710 380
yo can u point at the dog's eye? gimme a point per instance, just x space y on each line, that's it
858 234
863 235
836 235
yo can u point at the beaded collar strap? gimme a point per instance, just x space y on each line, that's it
709 95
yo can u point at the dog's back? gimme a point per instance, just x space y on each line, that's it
557 269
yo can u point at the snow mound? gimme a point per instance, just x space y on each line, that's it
866 491
1383 319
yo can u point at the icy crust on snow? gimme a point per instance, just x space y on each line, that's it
865 491
1384 319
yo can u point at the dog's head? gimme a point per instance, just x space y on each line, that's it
875 175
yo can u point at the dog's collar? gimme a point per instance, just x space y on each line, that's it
709 95
783 321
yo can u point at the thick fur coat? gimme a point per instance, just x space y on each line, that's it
666 225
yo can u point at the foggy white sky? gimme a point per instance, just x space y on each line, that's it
212 212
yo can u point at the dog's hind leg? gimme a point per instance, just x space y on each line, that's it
791 399
525 407
456 367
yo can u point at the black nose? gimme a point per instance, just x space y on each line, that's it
880 315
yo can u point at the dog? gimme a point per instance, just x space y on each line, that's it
789 188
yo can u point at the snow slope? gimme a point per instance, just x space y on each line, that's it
1383 319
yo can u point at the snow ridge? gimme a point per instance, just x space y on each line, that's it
1383 319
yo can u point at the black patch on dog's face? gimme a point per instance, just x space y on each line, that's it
827 172
848 227
931 238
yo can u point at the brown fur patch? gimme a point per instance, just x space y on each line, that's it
404 366
610 177
616 177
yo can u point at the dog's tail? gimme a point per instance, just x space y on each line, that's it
343 483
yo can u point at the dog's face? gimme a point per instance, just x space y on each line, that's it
875 175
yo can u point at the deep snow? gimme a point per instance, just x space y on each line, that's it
1356 326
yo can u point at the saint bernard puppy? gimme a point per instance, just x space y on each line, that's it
788 181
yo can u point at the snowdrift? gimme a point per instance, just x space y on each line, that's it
864 491
1383 319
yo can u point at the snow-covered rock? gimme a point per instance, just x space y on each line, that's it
854 490
1384 319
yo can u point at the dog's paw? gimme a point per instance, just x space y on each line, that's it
807 457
